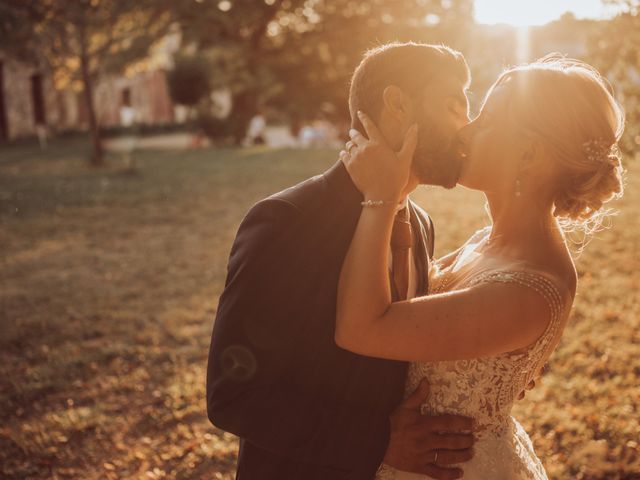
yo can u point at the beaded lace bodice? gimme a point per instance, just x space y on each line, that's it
486 388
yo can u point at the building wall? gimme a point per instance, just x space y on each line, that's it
70 110
149 96
18 99
66 109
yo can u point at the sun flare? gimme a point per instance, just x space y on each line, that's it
528 13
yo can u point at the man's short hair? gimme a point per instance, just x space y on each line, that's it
409 66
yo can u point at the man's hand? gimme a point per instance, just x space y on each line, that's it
428 445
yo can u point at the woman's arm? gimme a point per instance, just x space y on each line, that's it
484 320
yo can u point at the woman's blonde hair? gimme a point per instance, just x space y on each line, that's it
569 107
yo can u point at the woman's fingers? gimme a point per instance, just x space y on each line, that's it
349 146
410 143
370 128
357 137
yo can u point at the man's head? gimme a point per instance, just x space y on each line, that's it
399 84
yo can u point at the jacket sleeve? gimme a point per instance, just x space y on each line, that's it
258 332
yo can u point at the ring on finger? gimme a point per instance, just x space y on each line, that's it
350 146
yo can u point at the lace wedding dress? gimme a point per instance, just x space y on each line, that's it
486 388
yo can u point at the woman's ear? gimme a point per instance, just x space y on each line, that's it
531 155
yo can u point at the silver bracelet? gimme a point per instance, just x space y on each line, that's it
377 203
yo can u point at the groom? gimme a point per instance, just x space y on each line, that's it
305 409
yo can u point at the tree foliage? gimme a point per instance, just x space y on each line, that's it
615 50
83 39
190 80
278 51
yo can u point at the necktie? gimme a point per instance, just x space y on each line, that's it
401 242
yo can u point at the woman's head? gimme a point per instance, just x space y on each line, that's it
550 129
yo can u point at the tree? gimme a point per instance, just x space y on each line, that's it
281 50
321 59
84 39
615 50
237 32
189 81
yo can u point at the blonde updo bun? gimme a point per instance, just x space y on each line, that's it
569 107
582 200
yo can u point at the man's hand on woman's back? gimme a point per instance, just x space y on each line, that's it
428 445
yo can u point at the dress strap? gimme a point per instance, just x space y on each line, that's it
535 354
471 243
479 234
535 281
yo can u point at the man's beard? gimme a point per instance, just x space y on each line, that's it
436 160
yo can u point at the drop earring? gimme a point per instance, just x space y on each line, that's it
518 186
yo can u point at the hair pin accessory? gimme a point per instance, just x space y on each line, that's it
598 150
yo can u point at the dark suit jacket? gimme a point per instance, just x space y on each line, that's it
303 408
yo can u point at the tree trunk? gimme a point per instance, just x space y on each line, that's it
97 157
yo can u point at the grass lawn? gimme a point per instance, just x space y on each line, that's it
108 290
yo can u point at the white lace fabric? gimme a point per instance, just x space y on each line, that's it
486 389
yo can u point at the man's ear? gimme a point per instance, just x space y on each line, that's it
395 102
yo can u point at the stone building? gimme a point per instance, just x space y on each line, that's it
30 104
29 101
145 91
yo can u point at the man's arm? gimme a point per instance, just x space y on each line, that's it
251 388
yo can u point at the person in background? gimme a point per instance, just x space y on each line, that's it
128 120
257 127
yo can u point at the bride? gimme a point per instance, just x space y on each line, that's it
543 150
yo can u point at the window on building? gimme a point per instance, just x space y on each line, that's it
4 127
126 97
37 100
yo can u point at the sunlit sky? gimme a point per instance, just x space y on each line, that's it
530 12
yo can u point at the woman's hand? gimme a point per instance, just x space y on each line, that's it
377 171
